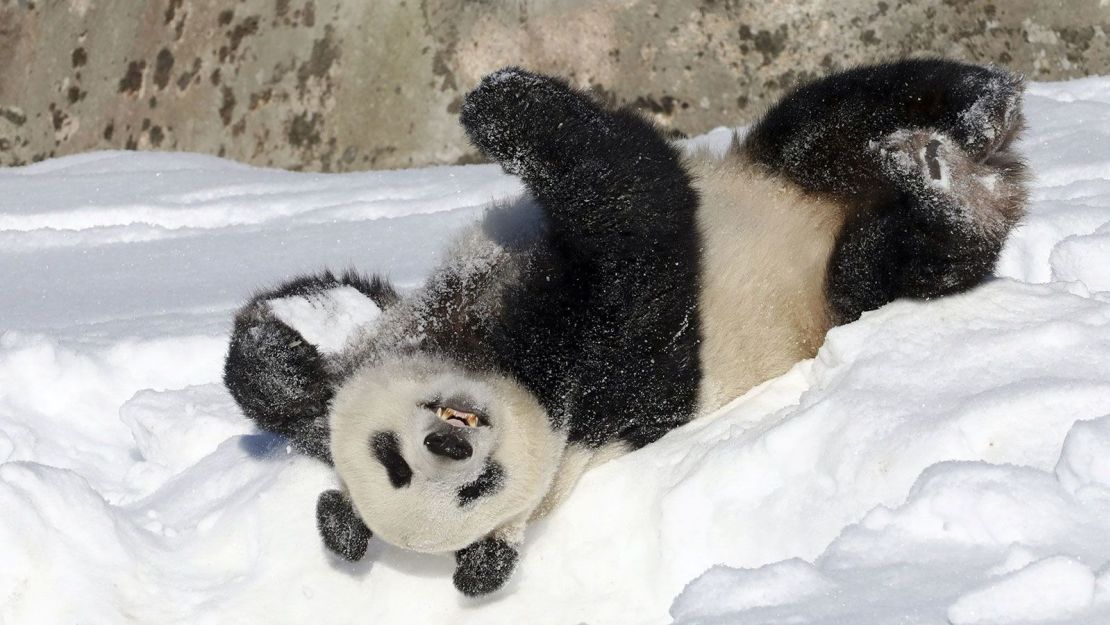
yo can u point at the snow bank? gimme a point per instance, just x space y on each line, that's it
943 462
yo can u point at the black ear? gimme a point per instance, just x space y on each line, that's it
340 527
484 566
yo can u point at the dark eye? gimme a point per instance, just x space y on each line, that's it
387 449
489 482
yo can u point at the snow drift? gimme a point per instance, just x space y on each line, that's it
939 462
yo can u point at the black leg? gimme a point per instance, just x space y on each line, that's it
623 215
604 177
919 151
940 231
818 135
340 527
280 380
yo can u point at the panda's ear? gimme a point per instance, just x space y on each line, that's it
340 527
485 566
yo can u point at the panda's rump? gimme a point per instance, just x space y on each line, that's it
766 246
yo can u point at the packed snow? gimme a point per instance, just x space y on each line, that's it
937 462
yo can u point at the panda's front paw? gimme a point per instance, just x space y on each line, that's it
484 566
277 377
514 114
340 527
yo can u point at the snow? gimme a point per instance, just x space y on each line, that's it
1043 591
327 320
939 462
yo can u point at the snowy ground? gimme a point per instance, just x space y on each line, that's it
946 462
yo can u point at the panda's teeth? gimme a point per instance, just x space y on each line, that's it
456 418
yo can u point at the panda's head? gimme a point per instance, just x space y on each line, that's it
435 457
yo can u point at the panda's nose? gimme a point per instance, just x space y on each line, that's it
448 445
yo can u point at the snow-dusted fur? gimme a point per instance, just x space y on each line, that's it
464 499
635 288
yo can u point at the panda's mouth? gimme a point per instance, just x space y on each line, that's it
458 418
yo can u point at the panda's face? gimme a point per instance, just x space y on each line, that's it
435 457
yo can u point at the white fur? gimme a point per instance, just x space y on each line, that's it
766 247
425 515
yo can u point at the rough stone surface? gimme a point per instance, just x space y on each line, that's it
327 85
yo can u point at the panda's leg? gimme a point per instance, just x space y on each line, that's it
279 380
818 135
622 208
939 232
606 178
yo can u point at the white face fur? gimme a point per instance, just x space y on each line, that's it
425 481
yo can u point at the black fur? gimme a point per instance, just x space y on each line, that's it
819 135
489 481
902 238
606 319
340 527
279 380
484 566
922 244
387 450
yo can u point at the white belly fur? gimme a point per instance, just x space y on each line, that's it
766 246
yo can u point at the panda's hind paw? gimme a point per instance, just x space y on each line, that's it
943 180
994 118
920 160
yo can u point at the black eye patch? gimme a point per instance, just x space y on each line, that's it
489 481
387 449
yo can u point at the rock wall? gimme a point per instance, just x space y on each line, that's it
327 85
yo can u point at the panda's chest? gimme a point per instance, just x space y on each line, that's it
762 303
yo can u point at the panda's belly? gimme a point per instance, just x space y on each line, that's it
762 300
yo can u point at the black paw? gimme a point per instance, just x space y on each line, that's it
513 114
276 377
484 566
992 118
340 527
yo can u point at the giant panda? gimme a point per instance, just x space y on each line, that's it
633 288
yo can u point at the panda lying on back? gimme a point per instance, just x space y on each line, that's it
634 289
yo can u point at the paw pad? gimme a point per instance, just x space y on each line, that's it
918 156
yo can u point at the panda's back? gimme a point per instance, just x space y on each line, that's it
762 302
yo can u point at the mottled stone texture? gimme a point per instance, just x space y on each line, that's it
330 85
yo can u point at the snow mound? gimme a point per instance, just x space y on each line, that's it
939 462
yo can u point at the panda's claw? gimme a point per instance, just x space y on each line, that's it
340 527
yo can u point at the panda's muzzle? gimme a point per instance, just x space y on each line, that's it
449 444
